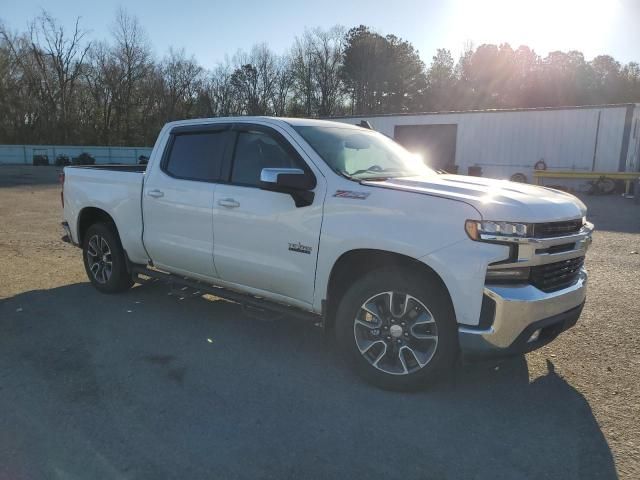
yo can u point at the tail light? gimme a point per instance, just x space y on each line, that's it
61 180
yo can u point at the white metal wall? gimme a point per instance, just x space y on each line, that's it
633 156
23 154
506 142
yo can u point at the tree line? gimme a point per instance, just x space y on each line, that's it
59 86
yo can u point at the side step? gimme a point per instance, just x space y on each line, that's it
254 303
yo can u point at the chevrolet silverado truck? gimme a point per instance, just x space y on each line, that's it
337 223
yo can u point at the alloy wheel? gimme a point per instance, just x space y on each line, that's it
396 333
99 259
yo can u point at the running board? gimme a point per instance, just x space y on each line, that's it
225 293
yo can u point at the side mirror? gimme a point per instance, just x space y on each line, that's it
286 178
294 181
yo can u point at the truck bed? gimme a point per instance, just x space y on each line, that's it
115 189
113 167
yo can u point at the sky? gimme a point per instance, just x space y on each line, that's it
211 29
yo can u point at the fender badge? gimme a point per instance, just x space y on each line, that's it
351 194
298 247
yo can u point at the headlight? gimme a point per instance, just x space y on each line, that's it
477 228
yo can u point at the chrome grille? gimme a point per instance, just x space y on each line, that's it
556 276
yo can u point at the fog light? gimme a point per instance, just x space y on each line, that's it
534 336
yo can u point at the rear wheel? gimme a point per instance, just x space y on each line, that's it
104 259
397 329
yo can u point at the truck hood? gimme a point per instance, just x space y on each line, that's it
495 199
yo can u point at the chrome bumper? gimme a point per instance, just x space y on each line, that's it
520 311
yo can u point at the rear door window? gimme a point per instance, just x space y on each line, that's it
197 155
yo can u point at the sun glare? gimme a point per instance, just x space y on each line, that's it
544 25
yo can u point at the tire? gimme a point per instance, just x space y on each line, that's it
428 313
519 178
606 186
104 259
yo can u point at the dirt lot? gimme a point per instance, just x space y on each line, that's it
158 384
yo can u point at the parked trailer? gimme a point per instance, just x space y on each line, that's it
502 143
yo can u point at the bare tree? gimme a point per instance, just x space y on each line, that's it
316 64
284 84
57 87
254 80
327 54
53 60
103 81
220 91
183 82
133 59
301 67
16 104
266 64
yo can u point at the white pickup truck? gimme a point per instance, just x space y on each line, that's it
339 223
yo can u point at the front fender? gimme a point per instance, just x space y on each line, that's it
410 224
462 267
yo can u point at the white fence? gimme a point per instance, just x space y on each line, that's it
23 154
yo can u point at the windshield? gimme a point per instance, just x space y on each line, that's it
362 154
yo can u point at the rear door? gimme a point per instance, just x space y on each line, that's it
262 240
178 199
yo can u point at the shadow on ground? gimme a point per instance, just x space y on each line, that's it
156 383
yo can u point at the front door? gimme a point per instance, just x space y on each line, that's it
262 240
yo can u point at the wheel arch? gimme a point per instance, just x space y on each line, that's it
91 215
353 264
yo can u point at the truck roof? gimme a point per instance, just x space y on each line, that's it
294 122
307 122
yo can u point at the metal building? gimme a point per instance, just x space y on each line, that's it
601 138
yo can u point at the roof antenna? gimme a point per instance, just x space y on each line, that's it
365 124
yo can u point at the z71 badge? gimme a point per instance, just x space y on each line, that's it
298 247
351 194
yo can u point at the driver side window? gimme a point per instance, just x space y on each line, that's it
254 151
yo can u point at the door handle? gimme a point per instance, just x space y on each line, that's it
155 193
228 202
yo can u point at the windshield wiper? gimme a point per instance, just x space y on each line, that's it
373 170
348 176
342 173
373 179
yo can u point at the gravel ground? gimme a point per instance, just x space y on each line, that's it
157 383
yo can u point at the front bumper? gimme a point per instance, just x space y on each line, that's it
520 311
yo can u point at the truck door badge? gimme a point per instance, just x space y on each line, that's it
298 247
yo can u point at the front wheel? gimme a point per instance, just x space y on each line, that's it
104 259
397 329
